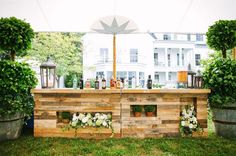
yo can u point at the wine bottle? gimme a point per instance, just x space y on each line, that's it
103 83
96 83
81 83
149 82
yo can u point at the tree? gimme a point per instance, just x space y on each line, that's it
222 36
63 48
15 37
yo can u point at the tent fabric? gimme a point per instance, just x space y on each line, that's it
149 15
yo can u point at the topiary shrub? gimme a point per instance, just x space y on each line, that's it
220 76
222 36
16 81
15 37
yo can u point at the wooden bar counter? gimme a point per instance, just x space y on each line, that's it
165 122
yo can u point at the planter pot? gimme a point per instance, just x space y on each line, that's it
11 126
149 114
137 114
66 121
225 121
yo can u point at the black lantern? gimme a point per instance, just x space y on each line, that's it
48 74
190 77
198 80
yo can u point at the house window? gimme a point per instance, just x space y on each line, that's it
169 76
199 37
188 37
166 37
133 55
197 59
177 59
156 58
122 74
131 75
182 59
156 76
168 60
103 55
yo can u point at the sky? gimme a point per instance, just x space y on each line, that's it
149 15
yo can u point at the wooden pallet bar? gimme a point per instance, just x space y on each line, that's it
165 122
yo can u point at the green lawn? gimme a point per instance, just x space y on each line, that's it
28 145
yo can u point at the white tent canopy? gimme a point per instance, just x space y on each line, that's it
150 15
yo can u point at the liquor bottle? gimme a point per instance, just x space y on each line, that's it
75 82
133 82
103 83
87 84
118 83
100 82
149 82
96 83
112 83
81 83
122 83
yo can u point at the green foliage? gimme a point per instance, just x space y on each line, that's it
63 48
15 37
137 108
149 108
69 79
65 115
222 36
220 76
16 81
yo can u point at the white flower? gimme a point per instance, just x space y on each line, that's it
89 115
190 126
104 123
74 123
98 122
85 119
182 123
81 116
90 122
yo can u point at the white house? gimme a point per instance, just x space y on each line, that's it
160 55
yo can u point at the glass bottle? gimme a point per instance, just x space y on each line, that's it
112 83
75 82
96 83
81 83
149 82
103 83
118 83
133 83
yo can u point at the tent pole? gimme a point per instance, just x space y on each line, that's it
234 53
114 56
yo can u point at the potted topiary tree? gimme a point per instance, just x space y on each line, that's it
220 76
16 79
15 37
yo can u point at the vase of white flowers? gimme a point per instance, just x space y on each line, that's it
188 121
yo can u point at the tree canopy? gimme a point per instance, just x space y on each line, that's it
63 48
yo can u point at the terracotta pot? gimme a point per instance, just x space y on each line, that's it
137 114
149 114
65 121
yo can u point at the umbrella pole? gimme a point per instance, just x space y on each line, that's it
114 56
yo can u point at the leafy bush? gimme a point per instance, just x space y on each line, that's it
222 36
15 37
137 108
220 76
65 115
16 81
149 108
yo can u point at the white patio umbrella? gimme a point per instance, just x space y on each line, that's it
114 25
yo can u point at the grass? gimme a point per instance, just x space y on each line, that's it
28 145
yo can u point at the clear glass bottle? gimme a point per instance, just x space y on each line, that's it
75 82
103 83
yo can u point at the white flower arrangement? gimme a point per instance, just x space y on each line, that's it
92 120
188 121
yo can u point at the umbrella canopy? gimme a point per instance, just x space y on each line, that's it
114 25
